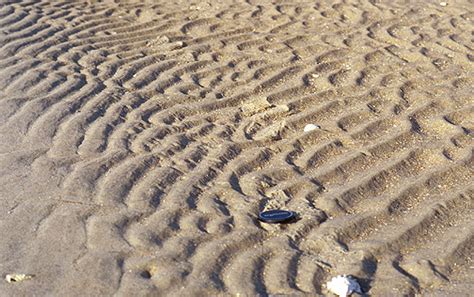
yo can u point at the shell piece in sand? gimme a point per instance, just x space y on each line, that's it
255 105
17 277
310 127
343 285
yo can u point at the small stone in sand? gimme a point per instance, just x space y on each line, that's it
443 3
310 127
17 277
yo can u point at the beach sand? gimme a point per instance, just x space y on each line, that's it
140 140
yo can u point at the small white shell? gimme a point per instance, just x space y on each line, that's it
310 127
343 285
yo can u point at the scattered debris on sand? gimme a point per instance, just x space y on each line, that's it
17 277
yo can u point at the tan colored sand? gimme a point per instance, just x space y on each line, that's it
140 139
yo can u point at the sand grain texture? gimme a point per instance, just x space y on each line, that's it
140 139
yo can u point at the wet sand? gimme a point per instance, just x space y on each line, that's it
141 139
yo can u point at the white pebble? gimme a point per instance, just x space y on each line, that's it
343 285
310 127
443 3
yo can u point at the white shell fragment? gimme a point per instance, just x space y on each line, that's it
343 285
310 127
17 277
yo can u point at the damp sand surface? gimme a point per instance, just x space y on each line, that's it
140 140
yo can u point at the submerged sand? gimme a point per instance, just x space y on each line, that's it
140 140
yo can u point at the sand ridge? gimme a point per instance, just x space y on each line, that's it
140 140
